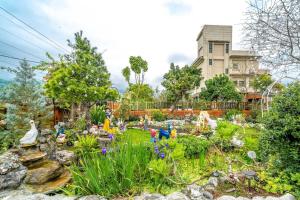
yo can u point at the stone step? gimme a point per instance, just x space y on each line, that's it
43 172
29 157
52 185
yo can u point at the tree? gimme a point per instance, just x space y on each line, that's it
80 77
281 136
179 81
263 81
220 88
272 28
138 90
24 96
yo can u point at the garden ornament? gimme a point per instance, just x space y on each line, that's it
30 136
173 133
106 126
94 129
59 128
236 142
61 138
163 133
153 135
146 123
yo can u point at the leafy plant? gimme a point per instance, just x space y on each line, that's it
158 115
231 113
86 144
98 115
194 146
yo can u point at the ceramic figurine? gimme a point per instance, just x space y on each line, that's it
153 135
173 134
163 133
30 136
59 128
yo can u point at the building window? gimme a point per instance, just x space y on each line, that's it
242 83
227 47
226 71
235 66
210 61
210 47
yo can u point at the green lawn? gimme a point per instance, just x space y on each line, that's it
137 136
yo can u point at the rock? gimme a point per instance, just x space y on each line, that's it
44 147
208 195
92 197
32 156
251 154
38 197
43 172
42 139
46 132
52 185
12 172
213 181
104 142
194 191
8 162
287 197
226 197
65 157
242 198
258 198
13 179
177 196
271 198
230 190
236 142
146 196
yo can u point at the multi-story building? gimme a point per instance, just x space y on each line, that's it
215 56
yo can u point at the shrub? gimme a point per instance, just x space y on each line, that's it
282 129
193 145
158 116
224 133
118 172
254 116
86 144
97 115
231 113
8 140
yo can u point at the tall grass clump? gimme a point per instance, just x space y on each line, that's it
121 170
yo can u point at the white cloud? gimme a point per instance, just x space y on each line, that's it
140 27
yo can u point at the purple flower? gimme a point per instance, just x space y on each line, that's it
167 145
154 140
162 155
156 150
111 136
104 150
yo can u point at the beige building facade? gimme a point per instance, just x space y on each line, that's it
215 56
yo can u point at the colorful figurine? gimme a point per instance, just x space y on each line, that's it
146 123
173 134
163 133
153 135
60 130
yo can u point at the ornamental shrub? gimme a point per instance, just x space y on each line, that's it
158 116
282 130
193 145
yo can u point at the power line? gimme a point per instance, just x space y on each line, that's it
8 63
12 46
35 30
16 36
15 58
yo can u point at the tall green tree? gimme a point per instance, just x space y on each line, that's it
220 88
80 77
24 96
137 90
263 81
179 81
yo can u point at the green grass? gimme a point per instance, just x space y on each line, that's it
137 136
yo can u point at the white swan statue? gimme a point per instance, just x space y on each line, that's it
30 136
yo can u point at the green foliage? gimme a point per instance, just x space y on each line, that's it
25 100
254 117
8 140
140 92
224 133
231 113
194 146
80 124
263 81
282 129
220 88
139 67
158 115
86 144
98 115
118 172
179 81
124 109
79 77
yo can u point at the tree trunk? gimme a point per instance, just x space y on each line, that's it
88 116
72 112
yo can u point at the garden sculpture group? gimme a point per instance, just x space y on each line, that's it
164 133
204 119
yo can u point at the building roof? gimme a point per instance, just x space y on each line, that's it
208 25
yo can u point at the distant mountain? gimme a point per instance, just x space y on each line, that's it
3 83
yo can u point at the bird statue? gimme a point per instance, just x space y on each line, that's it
30 136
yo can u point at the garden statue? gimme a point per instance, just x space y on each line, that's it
59 128
141 122
163 133
106 126
146 123
205 116
30 136
173 133
61 138
170 126
153 135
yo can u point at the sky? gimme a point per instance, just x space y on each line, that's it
160 31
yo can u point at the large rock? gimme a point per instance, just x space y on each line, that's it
226 197
177 196
213 181
287 197
146 196
32 156
38 197
12 172
194 192
65 157
92 197
43 172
